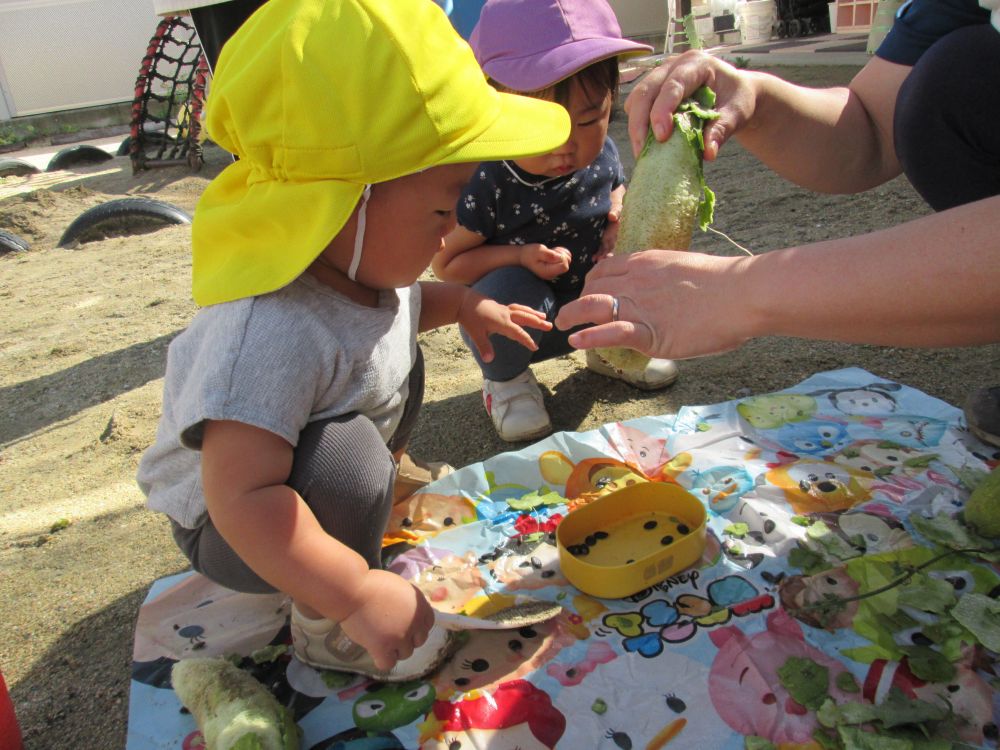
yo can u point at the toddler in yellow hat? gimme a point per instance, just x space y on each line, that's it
531 228
287 399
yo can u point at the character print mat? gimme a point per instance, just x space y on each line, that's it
818 496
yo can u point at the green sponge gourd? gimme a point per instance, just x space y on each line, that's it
666 196
982 510
232 709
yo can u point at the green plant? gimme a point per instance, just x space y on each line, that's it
743 63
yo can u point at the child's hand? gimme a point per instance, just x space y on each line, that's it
545 262
610 237
481 316
394 618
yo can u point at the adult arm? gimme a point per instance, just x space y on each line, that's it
835 140
926 283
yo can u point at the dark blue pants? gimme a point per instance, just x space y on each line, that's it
947 114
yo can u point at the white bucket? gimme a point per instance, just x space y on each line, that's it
833 17
756 19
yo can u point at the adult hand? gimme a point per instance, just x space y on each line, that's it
393 619
671 304
544 261
655 98
481 317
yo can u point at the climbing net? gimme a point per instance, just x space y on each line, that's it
169 95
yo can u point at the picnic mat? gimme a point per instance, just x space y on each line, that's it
841 485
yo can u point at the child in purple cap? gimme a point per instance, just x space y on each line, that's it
530 229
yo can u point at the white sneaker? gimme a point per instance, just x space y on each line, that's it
322 644
658 373
516 407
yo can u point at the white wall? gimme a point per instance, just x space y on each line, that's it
66 54
638 17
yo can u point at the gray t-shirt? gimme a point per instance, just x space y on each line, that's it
277 361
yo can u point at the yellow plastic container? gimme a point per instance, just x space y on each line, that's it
631 538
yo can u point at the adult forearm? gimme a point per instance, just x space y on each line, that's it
820 139
930 282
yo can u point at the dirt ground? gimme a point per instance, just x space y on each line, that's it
84 334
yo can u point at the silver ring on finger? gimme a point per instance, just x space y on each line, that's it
614 309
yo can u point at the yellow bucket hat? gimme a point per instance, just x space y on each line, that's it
319 98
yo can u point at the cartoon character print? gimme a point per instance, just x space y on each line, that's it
591 478
449 581
672 709
491 657
817 437
720 487
869 531
883 462
800 596
526 562
812 486
678 620
771 532
426 514
744 684
381 708
869 400
903 429
771 411
197 617
966 694
515 715
637 448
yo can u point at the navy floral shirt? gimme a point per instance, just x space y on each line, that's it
509 206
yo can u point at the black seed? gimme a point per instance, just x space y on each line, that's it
649 525
683 529
629 562
667 540
514 645
591 540
601 534
584 550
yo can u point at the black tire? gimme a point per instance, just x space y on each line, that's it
122 217
17 167
794 28
11 243
82 153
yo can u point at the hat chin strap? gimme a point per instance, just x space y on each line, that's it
359 235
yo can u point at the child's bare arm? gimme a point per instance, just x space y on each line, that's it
444 303
610 237
466 258
244 470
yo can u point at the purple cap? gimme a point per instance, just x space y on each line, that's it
528 45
